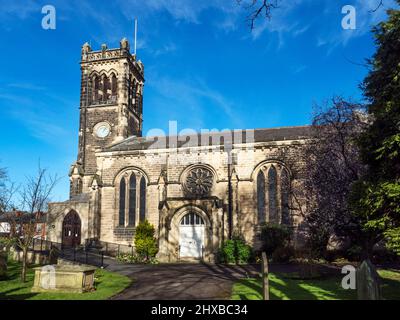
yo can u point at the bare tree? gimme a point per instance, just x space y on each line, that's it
263 9
332 164
7 191
3 190
34 196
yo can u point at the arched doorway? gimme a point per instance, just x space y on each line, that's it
191 236
71 230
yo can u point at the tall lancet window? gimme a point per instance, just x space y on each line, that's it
106 89
133 95
272 195
122 191
114 88
130 85
96 89
142 214
285 194
132 200
261 197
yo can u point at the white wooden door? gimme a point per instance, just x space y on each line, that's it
191 241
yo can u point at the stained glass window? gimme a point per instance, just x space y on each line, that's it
122 190
142 213
132 200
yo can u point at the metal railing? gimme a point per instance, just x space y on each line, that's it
83 255
91 252
111 249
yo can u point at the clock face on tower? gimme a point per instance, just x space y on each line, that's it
102 130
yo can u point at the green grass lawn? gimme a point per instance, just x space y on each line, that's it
283 288
107 285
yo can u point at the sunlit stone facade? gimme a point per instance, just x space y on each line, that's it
196 190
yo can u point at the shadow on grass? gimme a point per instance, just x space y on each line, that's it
282 288
12 288
12 295
107 284
390 287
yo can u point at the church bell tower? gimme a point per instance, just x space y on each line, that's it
111 106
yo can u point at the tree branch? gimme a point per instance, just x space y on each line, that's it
259 8
380 4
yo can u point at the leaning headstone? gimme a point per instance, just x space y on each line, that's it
3 265
368 282
264 274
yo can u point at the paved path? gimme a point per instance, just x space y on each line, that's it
181 281
188 281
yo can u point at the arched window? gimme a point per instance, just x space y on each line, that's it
285 194
106 88
129 87
122 191
272 195
192 219
142 213
96 90
114 88
139 98
132 200
261 196
133 95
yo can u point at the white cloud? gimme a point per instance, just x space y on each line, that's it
26 86
165 49
283 22
366 17
186 10
299 69
192 97
35 116
19 9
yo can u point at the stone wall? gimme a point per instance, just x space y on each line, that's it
152 164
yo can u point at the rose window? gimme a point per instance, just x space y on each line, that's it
199 182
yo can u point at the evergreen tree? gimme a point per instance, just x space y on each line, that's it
376 197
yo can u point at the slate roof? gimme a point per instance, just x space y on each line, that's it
260 135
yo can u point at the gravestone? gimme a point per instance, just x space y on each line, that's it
3 265
64 278
264 275
368 282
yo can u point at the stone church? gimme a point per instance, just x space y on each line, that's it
197 189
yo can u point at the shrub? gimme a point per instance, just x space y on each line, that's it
283 254
134 258
274 236
382 255
127 258
354 253
235 251
145 242
317 241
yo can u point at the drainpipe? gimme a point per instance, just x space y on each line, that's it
230 222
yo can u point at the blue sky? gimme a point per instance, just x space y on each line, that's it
204 68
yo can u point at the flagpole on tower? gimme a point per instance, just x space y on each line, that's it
135 37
